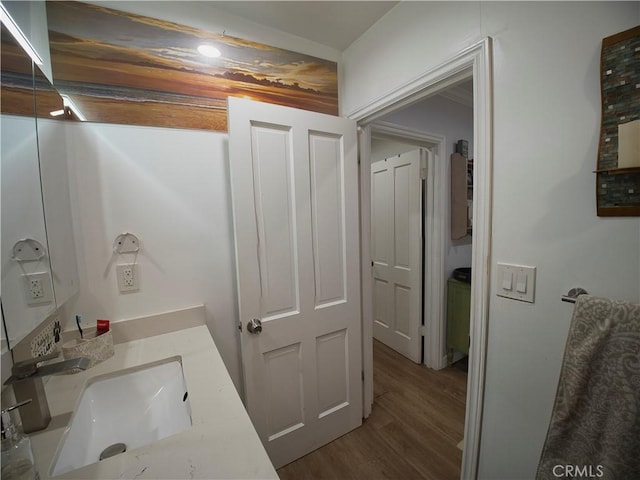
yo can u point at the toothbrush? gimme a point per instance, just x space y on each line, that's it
78 320
56 331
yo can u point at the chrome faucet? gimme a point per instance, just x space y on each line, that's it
26 378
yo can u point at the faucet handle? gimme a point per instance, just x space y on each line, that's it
8 428
17 405
28 367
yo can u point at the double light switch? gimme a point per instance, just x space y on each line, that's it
516 281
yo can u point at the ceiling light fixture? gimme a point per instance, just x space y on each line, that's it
68 103
209 51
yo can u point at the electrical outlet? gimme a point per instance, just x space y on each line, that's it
37 287
127 277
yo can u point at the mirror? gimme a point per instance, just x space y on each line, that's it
39 269
54 179
25 303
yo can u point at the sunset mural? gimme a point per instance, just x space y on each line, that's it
16 79
130 69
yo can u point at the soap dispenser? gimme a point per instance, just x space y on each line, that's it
17 456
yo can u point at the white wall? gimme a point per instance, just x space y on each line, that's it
454 121
54 178
546 123
382 148
22 218
170 187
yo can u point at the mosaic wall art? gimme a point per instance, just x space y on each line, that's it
618 179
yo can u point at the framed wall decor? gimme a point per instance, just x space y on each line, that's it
618 163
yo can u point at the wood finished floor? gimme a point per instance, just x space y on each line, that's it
412 433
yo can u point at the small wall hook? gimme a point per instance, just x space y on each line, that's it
27 250
126 243
573 294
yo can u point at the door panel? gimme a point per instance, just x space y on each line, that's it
295 202
285 403
381 302
333 378
396 229
272 171
402 302
380 206
327 208
402 213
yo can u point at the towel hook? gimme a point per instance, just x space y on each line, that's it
573 294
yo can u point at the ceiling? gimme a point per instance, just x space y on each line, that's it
332 23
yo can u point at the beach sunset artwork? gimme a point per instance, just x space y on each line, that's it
16 79
124 68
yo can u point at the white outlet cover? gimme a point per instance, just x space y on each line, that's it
128 278
45 290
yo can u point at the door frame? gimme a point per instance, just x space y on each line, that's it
473 62
432 284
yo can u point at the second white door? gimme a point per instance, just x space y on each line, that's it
396 230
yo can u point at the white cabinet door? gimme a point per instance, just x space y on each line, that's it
396 230
295 203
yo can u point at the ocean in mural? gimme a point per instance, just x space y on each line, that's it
130 69
16 77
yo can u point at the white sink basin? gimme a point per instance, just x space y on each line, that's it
134 407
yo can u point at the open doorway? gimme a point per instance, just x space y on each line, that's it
472 63
437 127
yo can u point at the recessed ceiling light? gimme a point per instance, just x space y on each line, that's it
209 51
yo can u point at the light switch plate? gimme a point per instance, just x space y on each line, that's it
519 277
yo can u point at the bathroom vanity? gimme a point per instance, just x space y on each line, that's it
221 442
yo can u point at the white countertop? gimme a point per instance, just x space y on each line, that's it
221 444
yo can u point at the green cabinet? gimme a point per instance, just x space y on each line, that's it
458 315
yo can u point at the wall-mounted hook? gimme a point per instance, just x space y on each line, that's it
28 250
126 243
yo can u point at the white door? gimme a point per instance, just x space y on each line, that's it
295 202
396 230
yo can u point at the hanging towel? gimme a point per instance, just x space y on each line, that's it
595 423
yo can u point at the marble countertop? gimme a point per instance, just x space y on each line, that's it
221 444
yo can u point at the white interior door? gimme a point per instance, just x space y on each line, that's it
295 202
396 230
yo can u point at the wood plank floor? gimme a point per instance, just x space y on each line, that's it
412 433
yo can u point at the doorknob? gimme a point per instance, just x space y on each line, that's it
254 326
